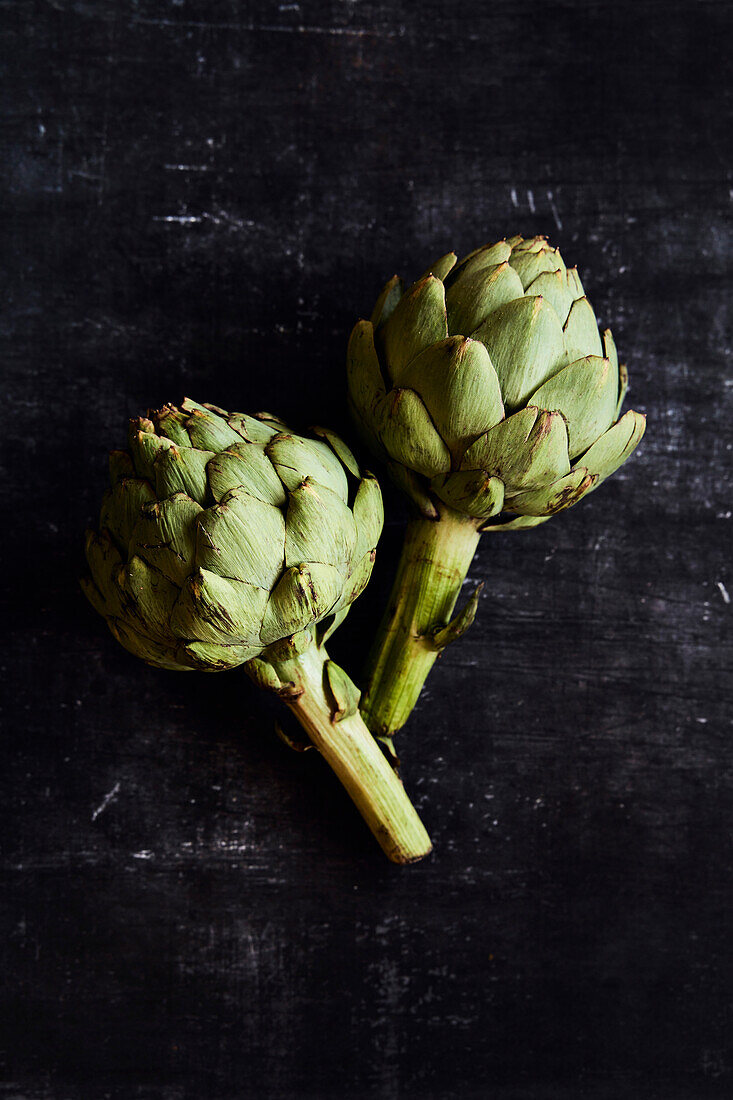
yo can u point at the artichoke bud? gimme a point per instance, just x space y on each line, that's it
224 534
487 386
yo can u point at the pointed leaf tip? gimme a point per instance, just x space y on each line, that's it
345 694
458 626
418 321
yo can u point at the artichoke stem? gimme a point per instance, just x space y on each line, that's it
356 758
436 557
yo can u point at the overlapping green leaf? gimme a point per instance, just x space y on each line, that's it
409 435
459 387
476 293
525 341
418 321
613 448
581 333
585 392
165 536
242 538
219 609
319 527
473 492
368 512
245 466
121 507
182 470
304 594
363 374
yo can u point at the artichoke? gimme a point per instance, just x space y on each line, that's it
489 391
227 540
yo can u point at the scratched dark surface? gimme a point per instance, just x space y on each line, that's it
202 199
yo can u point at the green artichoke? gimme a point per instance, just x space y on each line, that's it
223 534
227 540
494 399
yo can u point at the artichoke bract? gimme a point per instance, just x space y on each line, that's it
227 540
495 401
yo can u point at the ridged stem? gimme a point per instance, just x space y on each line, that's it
356 758
436 556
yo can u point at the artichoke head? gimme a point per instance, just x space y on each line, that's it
224 534
488 386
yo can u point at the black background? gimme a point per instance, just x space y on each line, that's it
202 199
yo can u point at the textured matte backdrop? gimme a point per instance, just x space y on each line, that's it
202 198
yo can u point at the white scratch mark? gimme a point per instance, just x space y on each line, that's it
109 797
269 28
93 177
188 167
530 200
724 592
553 208
514 197
144 854
179 219
221 217
232 845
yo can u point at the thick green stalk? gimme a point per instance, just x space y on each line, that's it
356 758
435 559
